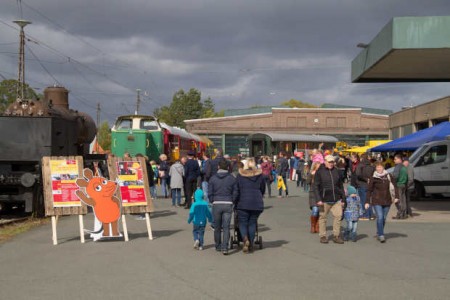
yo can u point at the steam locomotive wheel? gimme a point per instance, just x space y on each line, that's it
38 202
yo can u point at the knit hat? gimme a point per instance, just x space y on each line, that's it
198 195
351 190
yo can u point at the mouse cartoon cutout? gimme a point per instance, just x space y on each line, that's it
99 194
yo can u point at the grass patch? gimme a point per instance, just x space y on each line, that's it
9 231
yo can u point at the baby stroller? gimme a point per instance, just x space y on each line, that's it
236 238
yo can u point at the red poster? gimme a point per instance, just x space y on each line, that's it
64 174
131 182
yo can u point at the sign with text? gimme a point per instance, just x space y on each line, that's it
131 182
64 173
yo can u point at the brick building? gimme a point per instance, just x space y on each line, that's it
232 132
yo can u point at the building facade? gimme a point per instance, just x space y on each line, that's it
350 125
412 119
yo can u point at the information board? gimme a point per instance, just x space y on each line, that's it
131 183
64 173
59 175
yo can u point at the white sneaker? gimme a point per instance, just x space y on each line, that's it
196 244
200 248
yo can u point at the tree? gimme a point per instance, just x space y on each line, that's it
104 136
8 93
296 103
185 106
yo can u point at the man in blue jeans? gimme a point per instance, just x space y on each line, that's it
222 193
364 172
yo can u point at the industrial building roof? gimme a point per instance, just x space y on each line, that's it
407 49
367 110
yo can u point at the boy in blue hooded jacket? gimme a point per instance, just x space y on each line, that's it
198 215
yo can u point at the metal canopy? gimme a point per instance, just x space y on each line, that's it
407 49
289 137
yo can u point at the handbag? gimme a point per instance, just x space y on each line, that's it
391 188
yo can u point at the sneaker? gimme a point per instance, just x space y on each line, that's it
200 248
225 252
381 239
338 240
323 240
246 246
140 218
196 244
363 219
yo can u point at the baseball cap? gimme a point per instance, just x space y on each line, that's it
329 158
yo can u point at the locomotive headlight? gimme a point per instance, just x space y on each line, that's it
27 180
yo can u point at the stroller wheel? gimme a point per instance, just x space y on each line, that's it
231 242
260 242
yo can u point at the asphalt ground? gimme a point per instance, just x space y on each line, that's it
414 263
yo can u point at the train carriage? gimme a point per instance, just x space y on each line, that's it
146 135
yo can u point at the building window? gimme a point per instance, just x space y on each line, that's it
407 129
291 122
395 133
331 122
341 122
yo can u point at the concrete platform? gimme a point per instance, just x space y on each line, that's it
414 263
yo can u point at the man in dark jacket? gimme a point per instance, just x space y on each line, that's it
191 173
282 168
401 179
330 196
364 172
215 163
222 194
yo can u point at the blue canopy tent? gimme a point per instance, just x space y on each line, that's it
415 140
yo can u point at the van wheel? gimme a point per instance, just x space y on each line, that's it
419 192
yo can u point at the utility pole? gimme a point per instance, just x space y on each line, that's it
21 79
98 114
138 101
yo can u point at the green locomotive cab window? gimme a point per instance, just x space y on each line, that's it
149 125
125 124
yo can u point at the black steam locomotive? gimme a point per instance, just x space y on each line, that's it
30 130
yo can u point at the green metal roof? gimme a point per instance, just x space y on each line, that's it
367 110
248 111
407 49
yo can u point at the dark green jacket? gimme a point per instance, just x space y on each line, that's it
402 178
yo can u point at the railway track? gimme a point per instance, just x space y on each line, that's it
7 220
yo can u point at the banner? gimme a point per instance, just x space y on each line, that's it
131 182
63 175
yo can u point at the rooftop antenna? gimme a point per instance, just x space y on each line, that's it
21 79
138 101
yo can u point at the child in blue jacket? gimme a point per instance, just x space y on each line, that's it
198 215
352 213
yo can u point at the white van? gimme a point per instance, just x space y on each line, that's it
431 164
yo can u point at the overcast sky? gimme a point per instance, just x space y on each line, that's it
239 52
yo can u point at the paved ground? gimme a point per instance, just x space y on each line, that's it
413 264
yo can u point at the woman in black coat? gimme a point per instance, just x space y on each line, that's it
251 187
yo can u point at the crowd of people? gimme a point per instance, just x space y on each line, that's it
350 187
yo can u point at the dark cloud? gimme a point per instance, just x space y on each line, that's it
240 53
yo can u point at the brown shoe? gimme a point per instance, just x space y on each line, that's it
338 240
246 246
323 240
313 224
316 228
